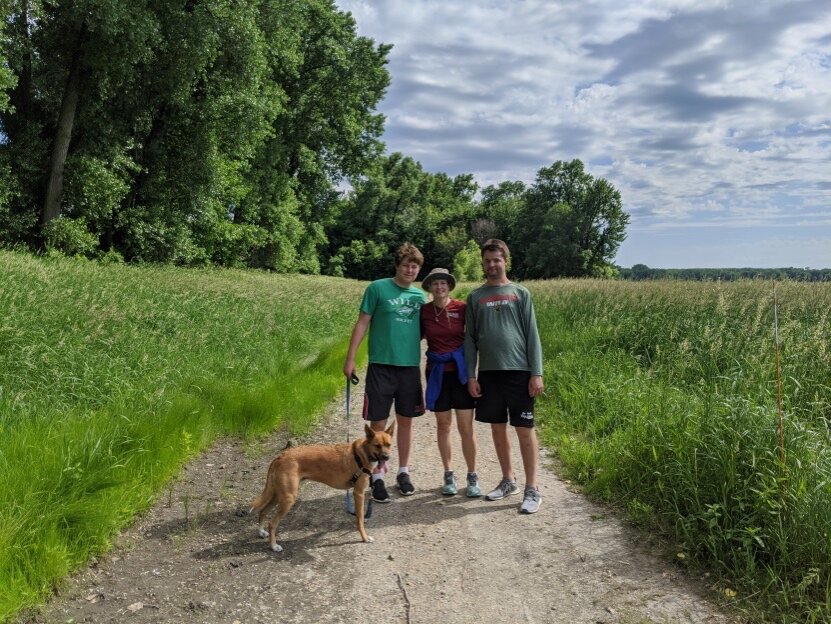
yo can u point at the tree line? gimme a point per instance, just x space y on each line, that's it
643 272
222 132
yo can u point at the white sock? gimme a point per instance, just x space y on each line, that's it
404 469
376 477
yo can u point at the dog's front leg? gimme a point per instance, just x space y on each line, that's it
359 493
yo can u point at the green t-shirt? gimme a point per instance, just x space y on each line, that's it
501 330
394 331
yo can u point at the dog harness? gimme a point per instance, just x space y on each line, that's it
360 463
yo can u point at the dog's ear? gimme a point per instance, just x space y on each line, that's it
369 432
391 428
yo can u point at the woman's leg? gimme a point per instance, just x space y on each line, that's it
443 422
464 421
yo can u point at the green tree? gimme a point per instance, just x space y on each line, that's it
384 209
7 81
7 77
467 264
640 272
66 57
448 242
191 131
498 211
200 107
571 224
398 201
331 80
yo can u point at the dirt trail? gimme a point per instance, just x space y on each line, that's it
196 558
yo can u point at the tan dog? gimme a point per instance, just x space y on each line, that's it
340 466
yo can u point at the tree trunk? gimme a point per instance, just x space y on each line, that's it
63 134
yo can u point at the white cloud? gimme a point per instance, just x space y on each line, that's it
705 114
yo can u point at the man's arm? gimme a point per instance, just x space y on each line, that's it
471 350
534 350
358 333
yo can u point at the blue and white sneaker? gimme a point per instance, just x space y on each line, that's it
473 489
449 487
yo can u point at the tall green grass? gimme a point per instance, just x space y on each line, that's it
112 376
663 400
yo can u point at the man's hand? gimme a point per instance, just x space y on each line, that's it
473 388
535 386
349 368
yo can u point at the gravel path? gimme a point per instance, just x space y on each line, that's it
196 558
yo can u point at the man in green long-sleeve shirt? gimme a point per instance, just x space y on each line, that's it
501 333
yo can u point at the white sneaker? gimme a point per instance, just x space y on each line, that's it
531 501
505 488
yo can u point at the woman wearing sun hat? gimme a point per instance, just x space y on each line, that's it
443 326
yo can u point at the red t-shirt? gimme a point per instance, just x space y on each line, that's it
444 328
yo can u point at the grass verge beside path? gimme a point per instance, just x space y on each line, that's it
663 401
112 376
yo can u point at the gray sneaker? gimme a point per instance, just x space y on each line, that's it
449 487
505 488
473 490
531 501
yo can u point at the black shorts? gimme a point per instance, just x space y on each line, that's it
453 395
504 394
386 384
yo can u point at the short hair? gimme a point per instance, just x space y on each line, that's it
494 244
408 252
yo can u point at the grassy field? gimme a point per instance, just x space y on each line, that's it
112 376
663 401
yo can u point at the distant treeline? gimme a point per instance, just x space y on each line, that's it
221 132
643 272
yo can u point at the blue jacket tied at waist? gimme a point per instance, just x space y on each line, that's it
437 373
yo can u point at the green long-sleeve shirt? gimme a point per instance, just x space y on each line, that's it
501 330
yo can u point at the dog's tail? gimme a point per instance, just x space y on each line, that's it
262 501
258 503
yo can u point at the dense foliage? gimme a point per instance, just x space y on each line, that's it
217 132
188 132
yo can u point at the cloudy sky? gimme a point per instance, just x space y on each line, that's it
712 117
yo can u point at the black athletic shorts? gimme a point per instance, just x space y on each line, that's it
386 385
504 394
453 395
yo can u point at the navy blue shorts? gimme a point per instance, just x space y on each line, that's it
505 398
453 395
386 384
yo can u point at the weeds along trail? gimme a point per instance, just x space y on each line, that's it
665 402
116 375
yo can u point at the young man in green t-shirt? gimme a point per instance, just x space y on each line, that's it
501 333
390 311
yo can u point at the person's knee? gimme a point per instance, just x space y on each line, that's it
466 430
404 422
378 425
499 428
527 436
